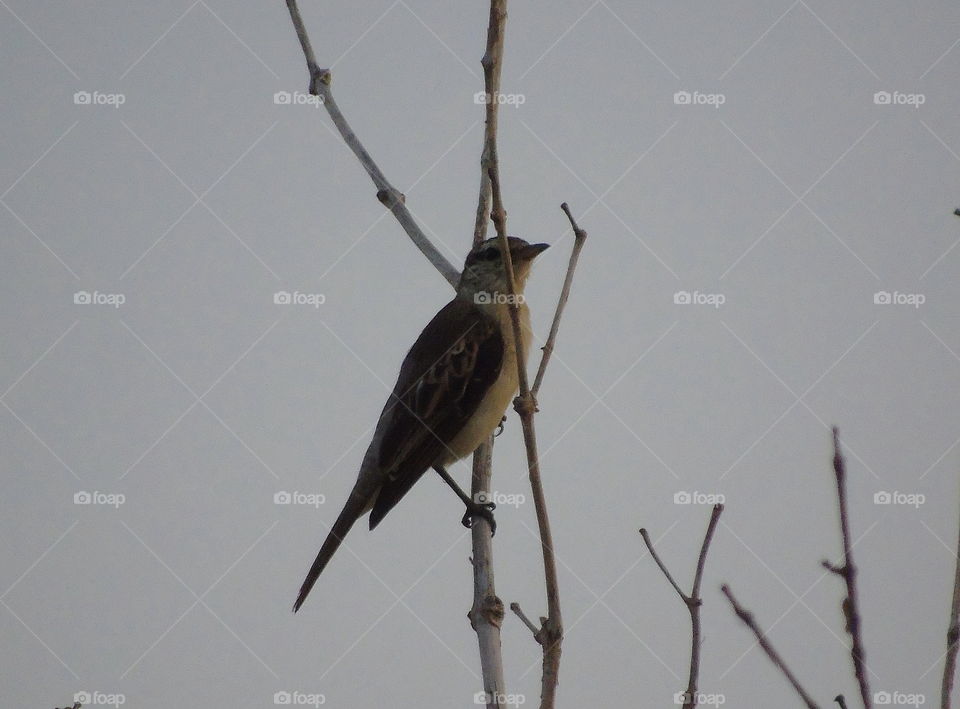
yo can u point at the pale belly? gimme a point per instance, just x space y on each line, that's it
495 403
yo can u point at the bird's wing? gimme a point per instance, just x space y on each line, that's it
444 377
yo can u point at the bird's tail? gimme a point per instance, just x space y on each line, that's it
352 511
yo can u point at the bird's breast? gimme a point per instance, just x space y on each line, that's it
501 393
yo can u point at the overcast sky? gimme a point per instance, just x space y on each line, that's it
768 189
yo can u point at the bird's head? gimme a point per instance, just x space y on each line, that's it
485 274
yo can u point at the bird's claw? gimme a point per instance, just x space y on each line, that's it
478 509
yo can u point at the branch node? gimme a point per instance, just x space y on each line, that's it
526 405
389 198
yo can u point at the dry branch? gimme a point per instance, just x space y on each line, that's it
747 617
692 602
848 572
953 634
391 198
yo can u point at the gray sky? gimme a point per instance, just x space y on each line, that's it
809 179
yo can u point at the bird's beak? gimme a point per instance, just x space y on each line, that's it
530 251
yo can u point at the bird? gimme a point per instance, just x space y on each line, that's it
454 386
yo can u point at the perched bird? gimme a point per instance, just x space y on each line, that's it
454 386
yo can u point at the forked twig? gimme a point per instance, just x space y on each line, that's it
692 602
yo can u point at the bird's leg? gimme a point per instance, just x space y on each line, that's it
474 509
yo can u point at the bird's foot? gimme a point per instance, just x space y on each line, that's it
480 509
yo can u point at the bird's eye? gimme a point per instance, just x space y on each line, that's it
490 255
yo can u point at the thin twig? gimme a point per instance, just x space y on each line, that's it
693 602
388 195
747 617
515 607
953 634
579 239
848 572
550 634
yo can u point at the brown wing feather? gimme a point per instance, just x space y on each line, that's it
444 378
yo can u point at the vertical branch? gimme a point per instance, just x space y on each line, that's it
953 634
747 617
693 602
492 62
848 572
486 614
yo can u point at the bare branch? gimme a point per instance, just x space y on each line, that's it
953 634
388 195
849 574
515 607
580 238
693 602
550 634
747 617
486 614
484 590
